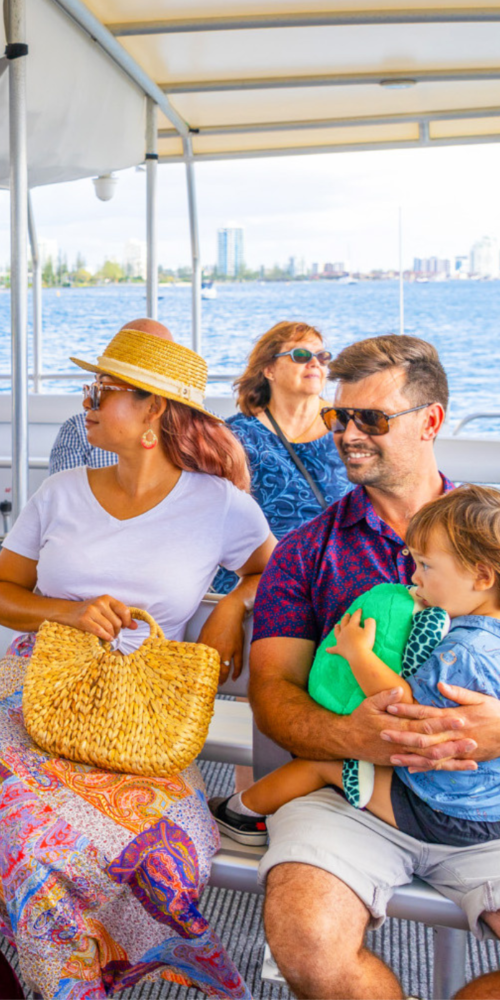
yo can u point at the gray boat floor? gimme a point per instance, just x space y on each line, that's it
237 918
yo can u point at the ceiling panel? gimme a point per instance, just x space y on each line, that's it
274 53
324 103
320 140
468 127
129 10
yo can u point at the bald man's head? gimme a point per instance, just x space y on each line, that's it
149 326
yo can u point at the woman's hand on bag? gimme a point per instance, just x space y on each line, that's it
223 631
103 616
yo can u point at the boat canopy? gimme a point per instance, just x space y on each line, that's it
245 78
253 78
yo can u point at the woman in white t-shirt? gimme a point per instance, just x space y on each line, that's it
102 870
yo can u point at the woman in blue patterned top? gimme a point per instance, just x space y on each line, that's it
283 382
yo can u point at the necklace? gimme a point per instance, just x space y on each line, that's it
303 433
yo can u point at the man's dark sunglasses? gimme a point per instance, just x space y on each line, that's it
301 355
372 422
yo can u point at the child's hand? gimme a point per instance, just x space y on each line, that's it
352 637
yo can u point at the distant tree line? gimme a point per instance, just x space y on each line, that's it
60 275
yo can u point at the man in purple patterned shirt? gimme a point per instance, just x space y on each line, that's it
329 869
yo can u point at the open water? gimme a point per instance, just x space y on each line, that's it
461 318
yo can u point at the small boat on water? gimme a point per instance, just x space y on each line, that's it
208 290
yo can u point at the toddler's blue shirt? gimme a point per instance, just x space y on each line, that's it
470 657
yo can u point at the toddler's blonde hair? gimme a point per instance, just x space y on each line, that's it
470 519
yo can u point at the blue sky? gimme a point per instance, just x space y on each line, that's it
321 208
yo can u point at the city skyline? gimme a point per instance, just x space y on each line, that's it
482 260
335 207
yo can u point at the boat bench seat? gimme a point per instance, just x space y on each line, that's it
230 738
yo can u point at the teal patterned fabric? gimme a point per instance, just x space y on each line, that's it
350 782
429 627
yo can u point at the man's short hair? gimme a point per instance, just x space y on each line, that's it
426 380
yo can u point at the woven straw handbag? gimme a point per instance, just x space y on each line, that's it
145 712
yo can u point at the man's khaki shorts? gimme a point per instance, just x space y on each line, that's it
373 858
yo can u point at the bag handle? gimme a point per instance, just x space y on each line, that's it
155 632
140 615
295 458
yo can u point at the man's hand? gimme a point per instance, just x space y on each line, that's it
476 724
369 724
353 638
286 713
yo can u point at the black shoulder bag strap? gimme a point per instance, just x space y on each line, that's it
295 458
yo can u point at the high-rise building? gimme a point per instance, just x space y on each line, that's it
230 252
134 259
431 266
439 266
484 259
421 265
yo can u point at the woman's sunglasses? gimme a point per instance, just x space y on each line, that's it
372 422
301 355
93 392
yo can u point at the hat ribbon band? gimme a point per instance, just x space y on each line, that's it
186 393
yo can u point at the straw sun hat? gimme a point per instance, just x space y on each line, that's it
158 366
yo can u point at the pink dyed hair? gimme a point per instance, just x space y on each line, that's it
194 441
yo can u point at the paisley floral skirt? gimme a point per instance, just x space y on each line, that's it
100 873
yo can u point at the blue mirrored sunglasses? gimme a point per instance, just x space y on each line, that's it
301 355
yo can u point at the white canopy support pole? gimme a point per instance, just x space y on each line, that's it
16 52
401 285
36 288
151 213
195 248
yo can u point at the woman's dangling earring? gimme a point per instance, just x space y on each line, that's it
149 439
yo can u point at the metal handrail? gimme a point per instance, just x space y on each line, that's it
40 462
473 416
